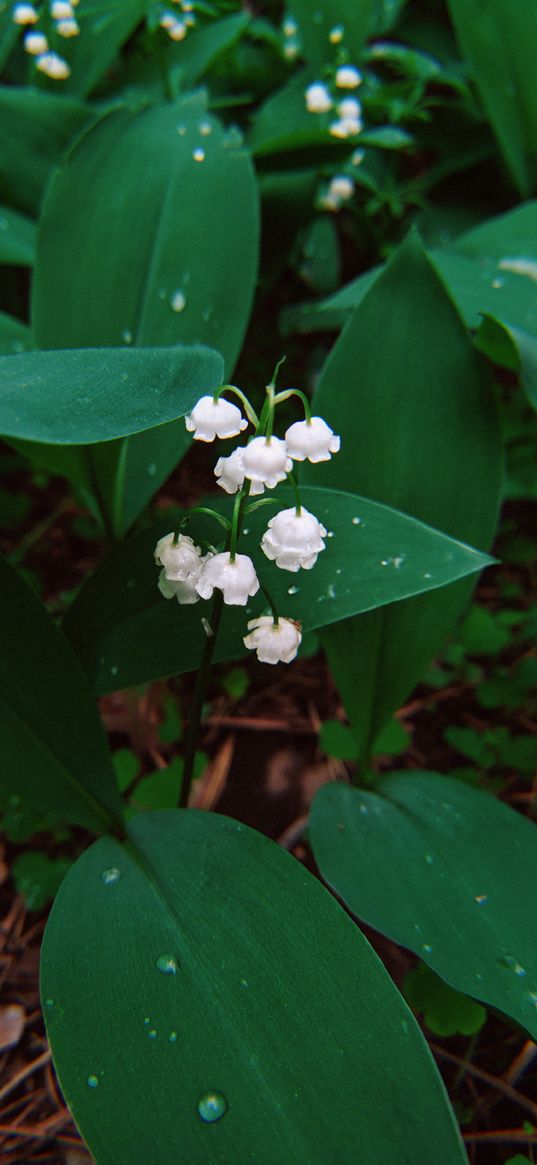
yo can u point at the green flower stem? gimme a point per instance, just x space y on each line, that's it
248 408
225 522
288 392
194 719
271 604
294 485
236 522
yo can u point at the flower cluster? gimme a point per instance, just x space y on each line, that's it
338 100
176 26
293 538
36 42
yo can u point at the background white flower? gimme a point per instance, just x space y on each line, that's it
229 471
237 580
210 419
313 440
273 642
318 98
180 560
293 540
266 462
348 77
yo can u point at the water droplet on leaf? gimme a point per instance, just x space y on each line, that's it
178 301
212 1106
93 1081
112 874
167 964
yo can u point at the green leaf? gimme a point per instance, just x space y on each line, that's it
193 57
54 751
91 395
387 137
497 40
9 33
481 633
172 179
446 1012
223 1049
391 740
452 883
38 877
284 123
315 22
511 348
14 336
126 633
35 130
105 25
17 238
419 431
337 739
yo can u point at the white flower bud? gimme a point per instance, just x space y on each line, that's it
61 10
348 77
273 642
293 540
177 30
350 109
229 472
266 462
35 43
318 98
185 592
341 188
181 560
237 580
67 28
210 419
313 440
53 66
345 127
24 14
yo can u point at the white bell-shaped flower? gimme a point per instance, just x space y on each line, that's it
61 10
53 66
318 98
229 471
237 580
266 462
215 418
181 560
293 540
311 439
348 77
24 14
273 642
184 591
35 43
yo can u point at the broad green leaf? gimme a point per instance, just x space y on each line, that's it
105 26
511 348
17 238
89 395
191 58
54 751
125 632
221 1000
14 336
491 269
35 130
38 877
419 432
171 179
444 870
9 32
498 39
316 20
284 123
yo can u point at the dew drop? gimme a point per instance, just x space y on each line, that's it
398 562
172 1037
178 301
364 809
481 899
330 534
331 592
385 562
244 982
93 1081
151 469
167 964
207 313
496 283
212 1106
152 1034
511 964
112 874
49 1003
293 590
147 1019
126 336
198 154
205 128
114 670
429 859
181 130
357 521
427 575
426 948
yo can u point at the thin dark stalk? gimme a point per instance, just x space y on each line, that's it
196 706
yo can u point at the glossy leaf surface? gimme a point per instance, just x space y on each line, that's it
17 238
444 870
35 130
126 633
498 40
54 752
173 181
89 395
105 25
180 1020
420 433
15 337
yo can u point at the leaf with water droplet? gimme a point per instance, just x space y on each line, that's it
212 1106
